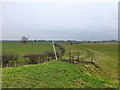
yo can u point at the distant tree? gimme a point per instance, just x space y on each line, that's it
88 41
35 40
24 40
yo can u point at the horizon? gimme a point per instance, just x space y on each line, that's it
59 40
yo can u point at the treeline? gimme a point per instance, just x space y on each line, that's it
67 41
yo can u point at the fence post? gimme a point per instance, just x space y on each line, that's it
1 64
7 64
15 63
78 55
92 58
72 59
69 54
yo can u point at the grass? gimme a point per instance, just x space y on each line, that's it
56 74
23 49
59 74
105 56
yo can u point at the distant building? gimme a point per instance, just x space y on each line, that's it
24 40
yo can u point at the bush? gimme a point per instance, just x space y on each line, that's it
61 49
50 55
41 58
58 54
23 61
8 57
33 57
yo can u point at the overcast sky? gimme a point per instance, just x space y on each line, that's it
60 20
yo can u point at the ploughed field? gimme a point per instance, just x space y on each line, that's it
62 74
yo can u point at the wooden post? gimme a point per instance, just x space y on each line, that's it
1 64
15 63
72 59
69 54
92 58
7 64
78 55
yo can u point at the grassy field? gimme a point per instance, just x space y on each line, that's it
105 55
56 74
23 49
59 74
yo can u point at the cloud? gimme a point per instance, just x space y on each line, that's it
59 0
60 20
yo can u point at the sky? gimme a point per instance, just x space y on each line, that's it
60 20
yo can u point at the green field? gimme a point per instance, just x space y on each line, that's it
60 74
105 55
23 49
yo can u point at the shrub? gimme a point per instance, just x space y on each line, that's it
23 61
58 55
61 49
50 54
41 58
33 57
8 57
